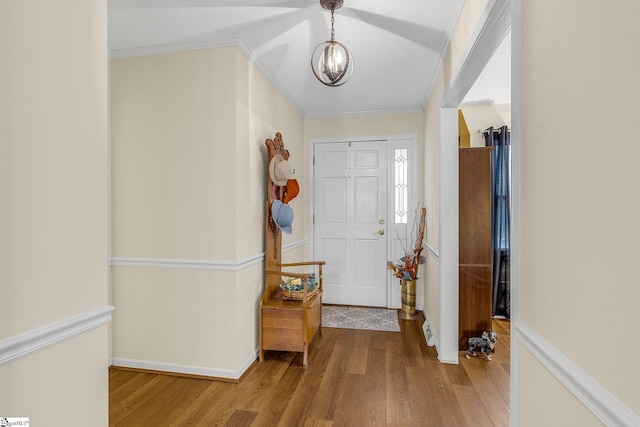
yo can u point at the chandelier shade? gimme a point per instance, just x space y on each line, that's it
331 61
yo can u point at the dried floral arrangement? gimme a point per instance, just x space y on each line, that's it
406 268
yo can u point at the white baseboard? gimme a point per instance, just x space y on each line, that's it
185 369
432 339
598 399
51 333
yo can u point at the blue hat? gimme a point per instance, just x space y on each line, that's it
282 215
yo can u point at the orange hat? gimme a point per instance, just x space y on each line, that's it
292 190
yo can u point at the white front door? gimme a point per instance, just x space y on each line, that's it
350 231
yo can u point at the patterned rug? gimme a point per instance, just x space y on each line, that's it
346 317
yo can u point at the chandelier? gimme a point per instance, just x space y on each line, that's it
331 62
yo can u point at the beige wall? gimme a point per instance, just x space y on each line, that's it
173 133
463 34
580 203
60 385
53 214
189 186
481 117
432 203
355 126
547 397
464 30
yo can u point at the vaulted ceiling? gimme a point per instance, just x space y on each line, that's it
397 44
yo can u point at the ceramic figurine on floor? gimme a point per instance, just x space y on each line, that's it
485 344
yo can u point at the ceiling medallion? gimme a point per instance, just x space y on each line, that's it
331 62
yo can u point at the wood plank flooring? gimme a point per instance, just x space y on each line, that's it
354 378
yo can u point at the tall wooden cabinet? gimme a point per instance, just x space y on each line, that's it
475 244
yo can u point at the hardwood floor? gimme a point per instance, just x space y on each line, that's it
354 378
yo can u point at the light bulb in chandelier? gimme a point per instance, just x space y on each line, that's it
331 62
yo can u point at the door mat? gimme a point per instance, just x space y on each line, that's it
347 317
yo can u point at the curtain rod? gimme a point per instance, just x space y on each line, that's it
494 130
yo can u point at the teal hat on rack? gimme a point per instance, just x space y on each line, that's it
282 215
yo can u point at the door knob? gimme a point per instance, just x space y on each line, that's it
381 232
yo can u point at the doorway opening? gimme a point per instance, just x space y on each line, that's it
362 190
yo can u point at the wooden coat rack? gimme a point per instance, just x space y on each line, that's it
285 325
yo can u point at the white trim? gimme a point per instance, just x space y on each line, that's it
194 264
489 34
450 30
394 290
185 369
51 333
413 197
516 197
189 46
597 398
185 263
432 251
389 112
290 246
131 52
493 27
448 205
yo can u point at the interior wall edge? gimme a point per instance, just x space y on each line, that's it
27 342
598 399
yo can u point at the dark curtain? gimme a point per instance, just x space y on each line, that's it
501 140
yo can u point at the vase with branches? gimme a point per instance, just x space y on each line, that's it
406 268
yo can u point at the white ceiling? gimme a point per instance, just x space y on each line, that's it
397 44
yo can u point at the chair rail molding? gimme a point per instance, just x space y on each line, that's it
51 333
197 264
598 399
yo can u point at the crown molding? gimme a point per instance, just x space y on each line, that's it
36 339
390 112
133 52
451 27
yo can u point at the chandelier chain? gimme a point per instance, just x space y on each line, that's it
333 34
331 61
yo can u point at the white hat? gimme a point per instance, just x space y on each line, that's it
280 170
